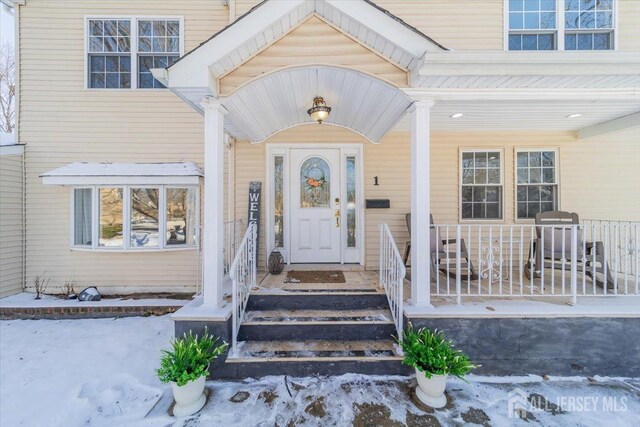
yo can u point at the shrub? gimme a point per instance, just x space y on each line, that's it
189 358
431 353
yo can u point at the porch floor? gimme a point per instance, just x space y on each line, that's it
355 281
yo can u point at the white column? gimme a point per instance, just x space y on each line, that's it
213 213
420 204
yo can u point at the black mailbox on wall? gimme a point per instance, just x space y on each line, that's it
378 204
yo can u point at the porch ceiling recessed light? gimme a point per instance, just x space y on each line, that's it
456 115
319 112
573 116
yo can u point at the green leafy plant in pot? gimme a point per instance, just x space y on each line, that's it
434 359
186 367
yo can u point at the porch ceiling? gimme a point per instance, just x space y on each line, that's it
524 115
280 100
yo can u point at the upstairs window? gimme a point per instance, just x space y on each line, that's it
562 25
532 24
122 51
588 24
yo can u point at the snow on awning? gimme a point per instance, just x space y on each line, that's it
81 173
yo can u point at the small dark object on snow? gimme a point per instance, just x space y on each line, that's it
89 294
276 262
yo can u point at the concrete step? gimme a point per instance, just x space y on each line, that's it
362 324
312 357
319 299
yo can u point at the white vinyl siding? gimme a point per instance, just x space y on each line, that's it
11 225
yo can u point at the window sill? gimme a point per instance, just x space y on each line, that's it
132 250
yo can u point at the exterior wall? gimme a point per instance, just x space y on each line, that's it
61 122
313 42
11 225
477 25
584 172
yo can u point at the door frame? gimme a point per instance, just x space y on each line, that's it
355 255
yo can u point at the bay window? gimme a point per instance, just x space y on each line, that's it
135 217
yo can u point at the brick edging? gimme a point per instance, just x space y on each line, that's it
88 312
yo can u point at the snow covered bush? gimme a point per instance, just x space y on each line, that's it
190 358
430 353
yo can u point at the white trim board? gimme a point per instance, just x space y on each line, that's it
621 123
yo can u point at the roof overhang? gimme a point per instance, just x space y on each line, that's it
195 75
81 173
528 70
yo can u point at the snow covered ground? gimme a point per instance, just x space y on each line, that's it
102 373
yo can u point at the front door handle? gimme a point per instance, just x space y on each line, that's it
337 214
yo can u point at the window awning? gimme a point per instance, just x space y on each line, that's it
81 173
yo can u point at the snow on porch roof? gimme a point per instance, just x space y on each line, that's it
84 173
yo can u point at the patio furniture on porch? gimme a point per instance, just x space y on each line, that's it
443 259
552 248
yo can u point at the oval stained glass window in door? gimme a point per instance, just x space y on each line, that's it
315 183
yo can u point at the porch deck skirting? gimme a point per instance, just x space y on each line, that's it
567 346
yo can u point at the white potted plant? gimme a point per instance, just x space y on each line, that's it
434 359
186 367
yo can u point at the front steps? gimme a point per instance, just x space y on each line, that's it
302 332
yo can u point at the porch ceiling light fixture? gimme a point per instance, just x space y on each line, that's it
319 112
573 116
456 115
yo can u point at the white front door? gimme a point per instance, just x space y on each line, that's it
315 205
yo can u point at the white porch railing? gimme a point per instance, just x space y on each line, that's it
595 258
232 236
243 278
392 273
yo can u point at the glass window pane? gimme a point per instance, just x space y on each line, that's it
351 201
97 80
535 175
494 159
159 44
467 193
535 158
467 210
522 210
144 217
531 5
144 44
480 176
587 20
585 41
604 4
112 80
493 176
82 217
480 160
547 193
548 158
124 28
467 160
173 28
96 44
587 4
572 5
515 42
110 44
545 42
493 211
522 193
523 175
95 27
181 216
570 42
159 28
548 5
529 42
492 194
97 63
515 5
278 185
604 20
479 194
144 28
523 160
315 183
516 21
110 211
111 28
531 20
602 41
571 20
547 20
533 193
548 175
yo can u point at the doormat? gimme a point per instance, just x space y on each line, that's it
329 276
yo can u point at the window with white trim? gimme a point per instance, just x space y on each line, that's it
481 184
536 24
536 182
532 25
135 217
122 51
588 24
